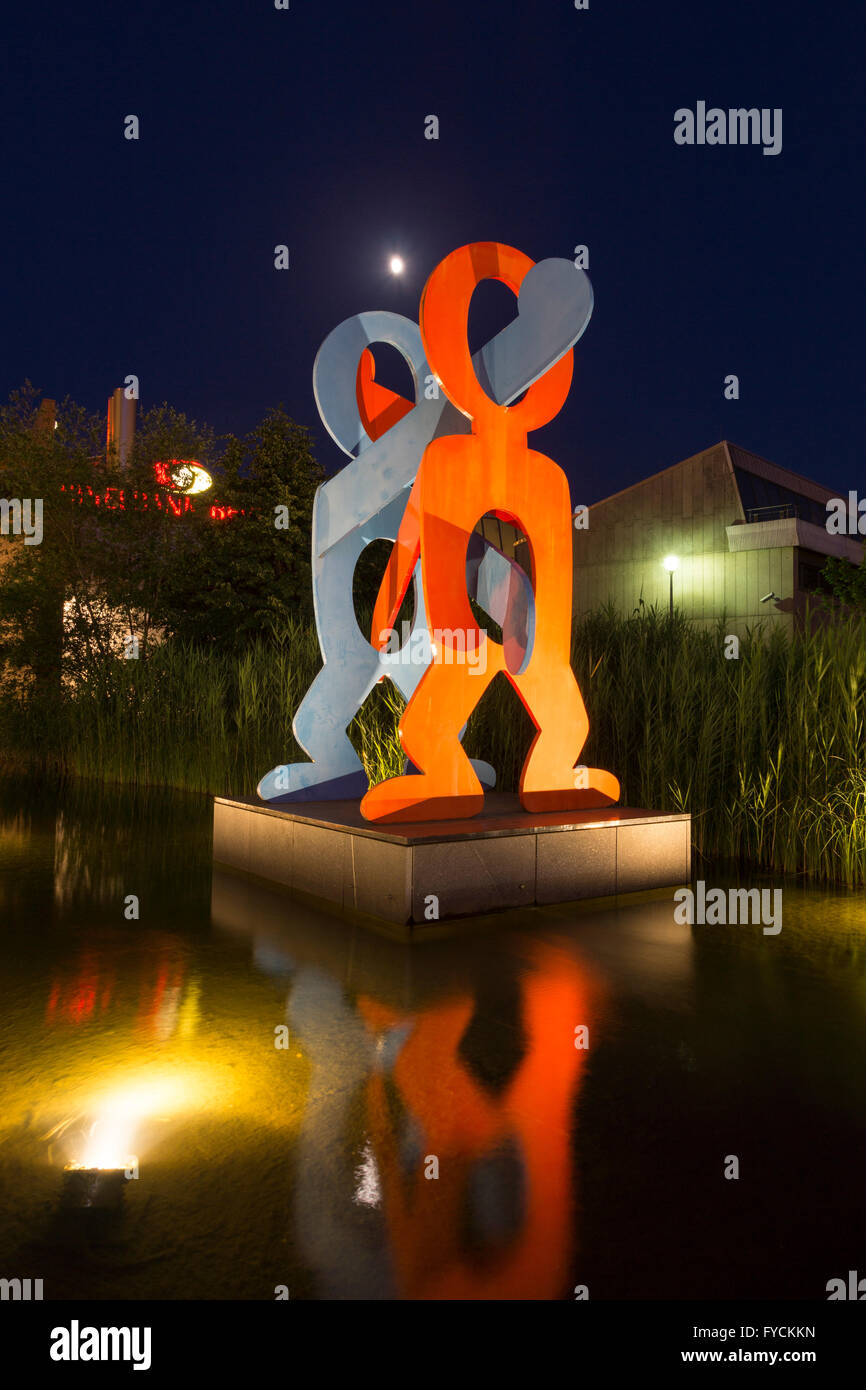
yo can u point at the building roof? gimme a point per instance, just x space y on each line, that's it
763 487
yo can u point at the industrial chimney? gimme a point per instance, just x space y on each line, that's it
121 425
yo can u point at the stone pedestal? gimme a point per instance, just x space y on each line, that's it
415 875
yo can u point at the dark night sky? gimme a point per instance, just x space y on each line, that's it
306 127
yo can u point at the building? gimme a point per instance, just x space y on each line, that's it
749 539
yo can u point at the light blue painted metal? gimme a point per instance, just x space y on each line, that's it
366 501
553 309
352 666
502 589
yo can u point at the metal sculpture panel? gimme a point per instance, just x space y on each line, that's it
422 474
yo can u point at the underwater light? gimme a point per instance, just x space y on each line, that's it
93 1188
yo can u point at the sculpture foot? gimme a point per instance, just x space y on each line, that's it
420 798
294 782
598 789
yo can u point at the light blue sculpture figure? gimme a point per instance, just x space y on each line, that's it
366 500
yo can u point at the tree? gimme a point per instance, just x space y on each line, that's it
46 465
246 571
145 532
125 552
847 582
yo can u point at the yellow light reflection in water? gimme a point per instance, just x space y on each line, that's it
120 1113
111 1128
126 1064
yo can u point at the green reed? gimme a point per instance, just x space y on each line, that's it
765 751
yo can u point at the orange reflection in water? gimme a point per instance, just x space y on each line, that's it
98 984
76 998
463 1122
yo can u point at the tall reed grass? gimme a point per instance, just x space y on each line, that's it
766 751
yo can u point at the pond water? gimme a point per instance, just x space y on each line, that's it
149 1042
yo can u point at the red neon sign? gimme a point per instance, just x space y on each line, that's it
114 499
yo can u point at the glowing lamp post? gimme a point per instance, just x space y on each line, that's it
671 563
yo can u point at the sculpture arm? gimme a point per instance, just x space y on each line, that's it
398 573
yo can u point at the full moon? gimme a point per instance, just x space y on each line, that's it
396 265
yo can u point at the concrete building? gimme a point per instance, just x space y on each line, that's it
750 539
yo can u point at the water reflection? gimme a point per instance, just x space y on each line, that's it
109 977
431 1130
435 1158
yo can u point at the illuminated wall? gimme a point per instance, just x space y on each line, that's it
695 510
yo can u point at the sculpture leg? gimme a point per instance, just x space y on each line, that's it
548 686
339 689
406 676
447 785
320 727
550 781
449 690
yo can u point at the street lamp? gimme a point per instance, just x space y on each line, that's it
671 563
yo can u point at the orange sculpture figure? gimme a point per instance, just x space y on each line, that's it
461 479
